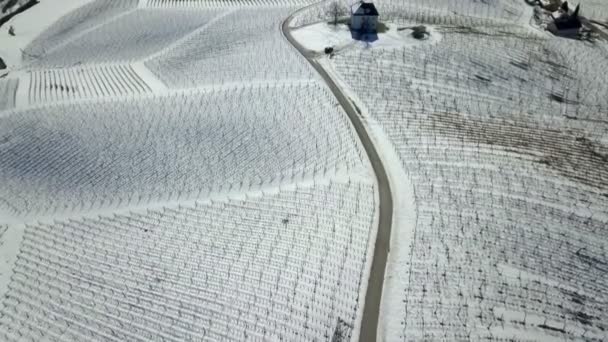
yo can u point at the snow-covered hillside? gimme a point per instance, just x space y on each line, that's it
177 171
501 132
280 265
253 50
92 155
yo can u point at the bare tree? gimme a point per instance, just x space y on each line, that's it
336 10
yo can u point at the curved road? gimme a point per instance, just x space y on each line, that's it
371 310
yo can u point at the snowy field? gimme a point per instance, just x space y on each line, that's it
502 133
128 152
8 89
441 12
75 24
27 27
130 37
66 84
252 51
177 171
316 37
594 9
276 266
224 3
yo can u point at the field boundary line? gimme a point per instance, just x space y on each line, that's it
300 182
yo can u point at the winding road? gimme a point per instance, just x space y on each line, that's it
373 297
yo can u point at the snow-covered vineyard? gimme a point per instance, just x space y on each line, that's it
284 265
65 84
256 51
129 152
8 90
502 133
175 171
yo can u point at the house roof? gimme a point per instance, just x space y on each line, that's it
366 8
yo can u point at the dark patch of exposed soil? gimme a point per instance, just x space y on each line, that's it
573 156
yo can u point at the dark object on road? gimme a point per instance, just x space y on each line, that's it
420 32
329 50
11 31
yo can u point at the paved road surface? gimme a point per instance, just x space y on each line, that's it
371 310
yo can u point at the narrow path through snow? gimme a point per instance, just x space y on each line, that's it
373 296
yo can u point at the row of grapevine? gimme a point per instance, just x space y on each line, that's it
77 83
223 3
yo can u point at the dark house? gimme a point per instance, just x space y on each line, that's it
364 18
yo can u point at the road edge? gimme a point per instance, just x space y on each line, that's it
373 296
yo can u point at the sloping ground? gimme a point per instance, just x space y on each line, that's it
94 155
284 266
75 23
223 3
11 8
503 139
67 84
441 12
130 37
254 51
224 211
8 89
594 9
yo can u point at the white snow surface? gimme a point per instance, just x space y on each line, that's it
28 26
316 37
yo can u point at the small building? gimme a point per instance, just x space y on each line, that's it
364 18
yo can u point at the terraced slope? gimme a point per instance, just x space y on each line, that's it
285 266
8 89
503 139
130 37
67 84
233 202
253 51
76 23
